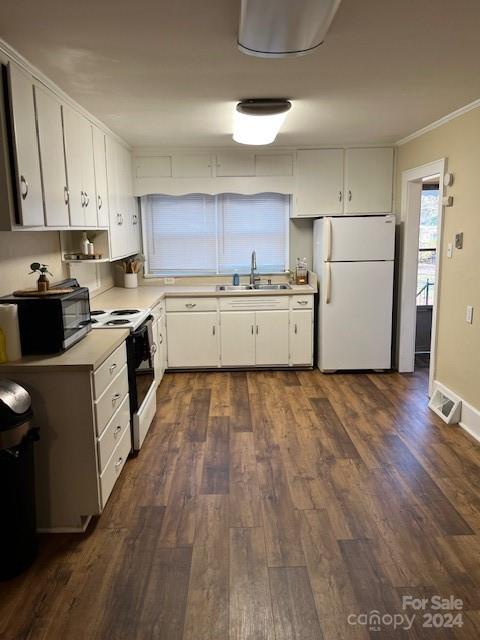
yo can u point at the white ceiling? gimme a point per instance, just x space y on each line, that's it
168 72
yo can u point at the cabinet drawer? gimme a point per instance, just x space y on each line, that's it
245 303
112 398
114 466
107 371
113 432
191 304
302 302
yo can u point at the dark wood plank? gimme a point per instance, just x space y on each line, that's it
294 612
197 418
215 478
240 416
245 501
250 602
207 605
327 420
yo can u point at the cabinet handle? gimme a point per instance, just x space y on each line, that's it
87 199
252 329
349 195
82 198
296 331
100 203
119 218
66 195
190 305
161 338
23 187
116 397
302 301
135 218
113 367
340 195
116 431
213 330
256 330
153 349
118 462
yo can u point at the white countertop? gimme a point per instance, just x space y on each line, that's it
88 354
147 296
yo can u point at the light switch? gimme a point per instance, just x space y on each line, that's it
449 250
469 316
459 240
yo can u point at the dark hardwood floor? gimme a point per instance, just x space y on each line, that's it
270 505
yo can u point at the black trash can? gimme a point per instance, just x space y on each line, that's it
18 536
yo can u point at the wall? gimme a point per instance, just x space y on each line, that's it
19 249
458 353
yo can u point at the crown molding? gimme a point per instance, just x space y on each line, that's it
12 54
438 123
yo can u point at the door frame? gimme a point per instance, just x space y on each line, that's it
410 227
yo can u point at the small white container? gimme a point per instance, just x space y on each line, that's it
130 280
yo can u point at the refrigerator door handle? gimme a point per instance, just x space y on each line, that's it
328 239
328 282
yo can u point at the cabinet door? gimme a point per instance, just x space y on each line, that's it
132 219
271 343
117 219
162 343
52 158
27 161
74 148
319 183
100 162
235 164
237 338
368 180
193 339
192 166
88 175
301 337
156 356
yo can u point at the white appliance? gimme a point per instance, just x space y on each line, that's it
354 261
141 350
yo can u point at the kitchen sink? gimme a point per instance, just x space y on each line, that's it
248 287
234 287
272 287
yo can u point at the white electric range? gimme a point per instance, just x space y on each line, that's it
141 349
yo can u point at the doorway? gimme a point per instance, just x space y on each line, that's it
426 269
419 232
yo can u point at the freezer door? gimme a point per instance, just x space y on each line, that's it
355 318
359 238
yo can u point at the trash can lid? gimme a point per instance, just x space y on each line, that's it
14 397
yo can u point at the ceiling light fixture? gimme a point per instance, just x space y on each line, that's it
257 121
284 28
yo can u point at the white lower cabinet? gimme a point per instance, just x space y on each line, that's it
193 339
301 337
271 338
237 338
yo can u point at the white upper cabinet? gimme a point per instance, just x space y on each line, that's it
80 168
27 160
235 164
100 163
368 180
319 183
52 158
337 181
192 166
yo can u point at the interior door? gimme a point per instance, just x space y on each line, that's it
368 180
319 184
237 338
271 338
52 158
301 337
29 186
355 323
358 239
193 339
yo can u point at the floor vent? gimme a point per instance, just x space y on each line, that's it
447 407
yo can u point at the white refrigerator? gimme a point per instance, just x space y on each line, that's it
354 260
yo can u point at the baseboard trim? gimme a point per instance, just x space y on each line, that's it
469 417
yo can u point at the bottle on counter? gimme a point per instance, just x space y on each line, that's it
84 244
301 271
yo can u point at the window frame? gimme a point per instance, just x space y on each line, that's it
149 274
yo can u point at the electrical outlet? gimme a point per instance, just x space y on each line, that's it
449 250
469 315
459 240
169 280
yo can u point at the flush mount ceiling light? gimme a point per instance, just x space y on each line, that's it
284 28
257 121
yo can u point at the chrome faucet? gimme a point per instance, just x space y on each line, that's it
253 268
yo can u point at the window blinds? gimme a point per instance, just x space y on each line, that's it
203 234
